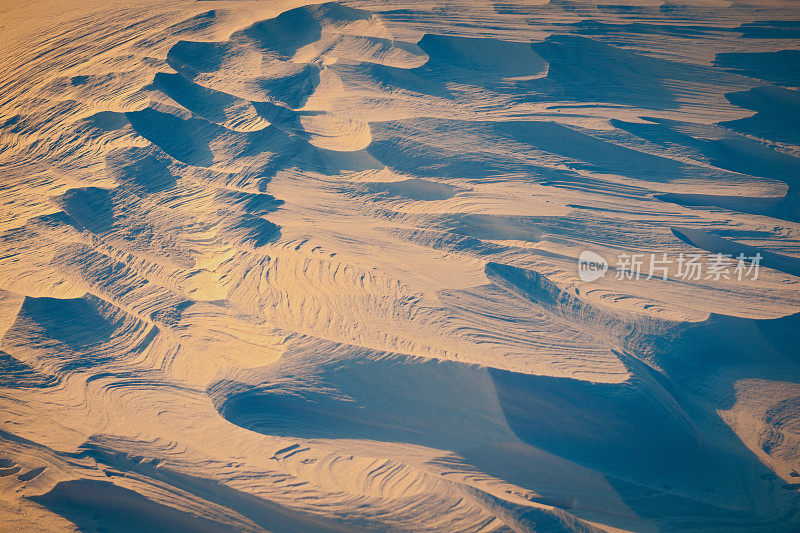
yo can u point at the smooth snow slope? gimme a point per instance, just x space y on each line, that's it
267 266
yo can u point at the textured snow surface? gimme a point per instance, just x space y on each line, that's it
267 266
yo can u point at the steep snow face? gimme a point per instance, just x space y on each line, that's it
286 267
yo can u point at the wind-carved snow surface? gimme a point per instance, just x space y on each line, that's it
269 267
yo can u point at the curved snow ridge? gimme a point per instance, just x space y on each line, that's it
547 152
226 110
294 292
194 141
357 492
641 334
658 342
509 335
128 482
279 61
773 105
690 367
229 68
719 245
773 192
677 351
772 206
584 69
484 57
316 390
152 199
312 33
59 337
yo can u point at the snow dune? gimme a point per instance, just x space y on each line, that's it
285 267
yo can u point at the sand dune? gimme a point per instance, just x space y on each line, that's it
267 266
